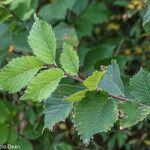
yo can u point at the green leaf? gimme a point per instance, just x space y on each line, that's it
31 133
84 27
69 60
98 53
19 72
5 113
62 146
42 41
31 116
22 8
121 137
92 81
24 144
76 96
57 109
122 3
146 17
132 113
4 134
56 10
140 86
80 6
95 113
6 2
13 136
41 87
111 82
20 42
96 13
4 14
67 34
25 8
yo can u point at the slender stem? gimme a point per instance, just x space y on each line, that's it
119 97
113 96
81 81
47 66
74 77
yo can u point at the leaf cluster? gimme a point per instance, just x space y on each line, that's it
94 106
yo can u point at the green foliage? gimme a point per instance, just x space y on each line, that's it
22 8
95 113
67 34
56 10
63 146
140 87
97 53
94 14
111 81
18 73
76 96
92 81
5 113
4 134
41 87
42 41
30 134
25 144
4 14
92 101
80 6
146 17
20 42
56 109
69 55
13 136
132 113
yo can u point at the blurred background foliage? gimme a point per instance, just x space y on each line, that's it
100 30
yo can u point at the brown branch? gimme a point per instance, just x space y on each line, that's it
22 121
79 79
113 96
119 97
74 77
82 80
